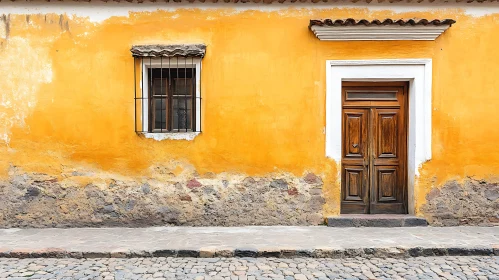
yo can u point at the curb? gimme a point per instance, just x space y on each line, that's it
337 253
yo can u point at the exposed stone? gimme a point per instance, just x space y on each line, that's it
37 200
470 203
315 219
317 200
32 191
193 183
182 50
249 182
311 178
113 184
433 194
146 188
108 208
279 184
209 191
492 194
130 205
315 191
293 191
185 197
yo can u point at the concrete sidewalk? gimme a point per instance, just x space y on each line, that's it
275 241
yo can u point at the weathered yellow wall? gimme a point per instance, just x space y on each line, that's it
67 94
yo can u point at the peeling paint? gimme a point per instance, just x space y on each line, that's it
4 26
25 66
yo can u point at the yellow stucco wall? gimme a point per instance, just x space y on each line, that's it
67 93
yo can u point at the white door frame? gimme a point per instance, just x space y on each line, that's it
418 72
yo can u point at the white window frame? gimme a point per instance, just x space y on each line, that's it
172 63
418 72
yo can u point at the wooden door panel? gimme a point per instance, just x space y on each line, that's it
387 133
388 208
387 183
355 131
354 187
355 183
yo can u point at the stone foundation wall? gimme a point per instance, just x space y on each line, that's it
86 199
470 203
40 200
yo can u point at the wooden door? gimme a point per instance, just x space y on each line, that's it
374 157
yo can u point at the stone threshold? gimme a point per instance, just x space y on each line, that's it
376 220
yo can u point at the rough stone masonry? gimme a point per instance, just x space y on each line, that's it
40 200
472 202
86 199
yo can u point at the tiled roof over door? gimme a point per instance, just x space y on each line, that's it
379 29
365 22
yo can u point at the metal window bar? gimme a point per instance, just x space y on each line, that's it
193 101
150 94
161 92
142 93
170 104
200 98
185 92
173 116
174 93
135 93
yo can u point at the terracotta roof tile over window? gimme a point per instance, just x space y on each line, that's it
190 50
365 22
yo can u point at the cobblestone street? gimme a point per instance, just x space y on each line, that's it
252 268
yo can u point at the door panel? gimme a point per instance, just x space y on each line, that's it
387 135
387 185
355 133
355 190
354 168
374 149
355 183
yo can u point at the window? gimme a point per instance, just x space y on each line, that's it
172 99
167 90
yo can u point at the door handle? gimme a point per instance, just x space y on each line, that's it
355 145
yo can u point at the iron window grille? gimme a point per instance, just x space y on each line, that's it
167 88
